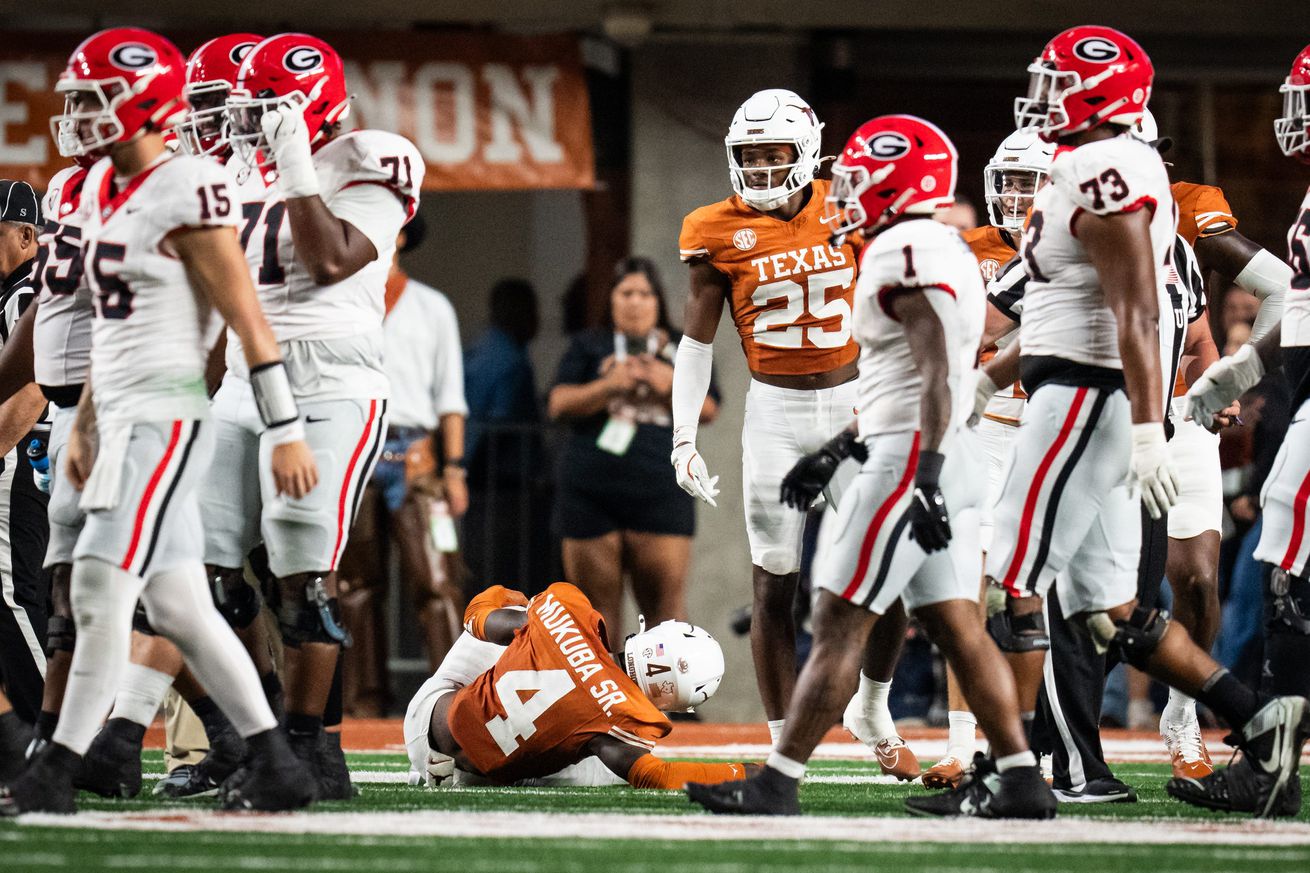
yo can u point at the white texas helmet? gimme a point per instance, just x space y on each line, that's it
675 664
1148 131
771 116
1020 152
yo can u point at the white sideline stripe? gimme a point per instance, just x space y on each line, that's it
401 777
613 826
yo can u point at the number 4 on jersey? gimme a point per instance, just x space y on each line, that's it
547 687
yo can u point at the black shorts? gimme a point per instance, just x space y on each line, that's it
585 513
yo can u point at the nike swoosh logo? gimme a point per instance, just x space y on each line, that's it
309 419
1271 765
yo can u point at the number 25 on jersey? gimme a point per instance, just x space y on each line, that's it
778 327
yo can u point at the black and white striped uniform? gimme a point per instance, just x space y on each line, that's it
24 532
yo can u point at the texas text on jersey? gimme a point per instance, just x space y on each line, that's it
791 288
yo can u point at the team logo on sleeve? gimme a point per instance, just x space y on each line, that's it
303 59
132 56
744 239
888 146
989 268
1096 49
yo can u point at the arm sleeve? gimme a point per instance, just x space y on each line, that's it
1267 278
692 368
651 772
373 209
448 384
494 598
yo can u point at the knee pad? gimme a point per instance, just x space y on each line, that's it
1132 640
306 614
60 635
1288 609
141 621
234 599
1018 633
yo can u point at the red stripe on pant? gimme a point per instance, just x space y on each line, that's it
342 501
871 535
1298 524
1035 490
138 525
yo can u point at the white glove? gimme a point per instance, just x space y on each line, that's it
1223 382
439 770
982 395
692 475
288 146
1152 471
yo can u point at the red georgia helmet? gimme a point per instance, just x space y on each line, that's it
1293 128
1085 77
892 165
291 67
211 74
136 77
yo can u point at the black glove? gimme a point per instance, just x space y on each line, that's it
811 474
930 525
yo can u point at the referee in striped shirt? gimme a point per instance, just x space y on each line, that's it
24 530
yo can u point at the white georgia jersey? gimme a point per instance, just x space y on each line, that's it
148 352
930 256
1296 309
1182 302
61 337
1065 312
371 179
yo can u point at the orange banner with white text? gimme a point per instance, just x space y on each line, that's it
487 111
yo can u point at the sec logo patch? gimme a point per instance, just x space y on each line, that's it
744 239
989 268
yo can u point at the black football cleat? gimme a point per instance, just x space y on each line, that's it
273 779
766 793
331 769
1239 787
1020 792
226 750
45 786
112 765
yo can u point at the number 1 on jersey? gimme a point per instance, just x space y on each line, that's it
521 715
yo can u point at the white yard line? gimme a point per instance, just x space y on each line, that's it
615 826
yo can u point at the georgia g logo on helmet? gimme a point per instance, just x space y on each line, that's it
132 56
888 146
239 52
1096 49
303 59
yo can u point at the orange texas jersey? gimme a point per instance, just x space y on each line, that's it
791 289
554 689
990 247
1202 211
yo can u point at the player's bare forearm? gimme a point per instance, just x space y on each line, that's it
328 247
216 269
1003 368
501 625
705 298
997 325
1227 253
1119 247
1199 347
927 341
18 415
16 360
84 420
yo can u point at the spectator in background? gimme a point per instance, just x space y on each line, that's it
507 540
417 489
962 215
619 510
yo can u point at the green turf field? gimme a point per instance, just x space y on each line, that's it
853 822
